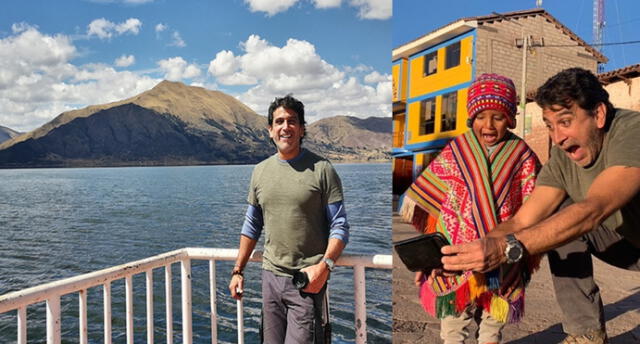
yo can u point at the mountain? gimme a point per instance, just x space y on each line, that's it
345 138
7 133
172 124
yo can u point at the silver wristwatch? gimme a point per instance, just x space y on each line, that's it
514 250
330 263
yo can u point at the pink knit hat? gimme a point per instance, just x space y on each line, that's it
492 91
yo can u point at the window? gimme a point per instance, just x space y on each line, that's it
449 111
431 63
452 55
427 116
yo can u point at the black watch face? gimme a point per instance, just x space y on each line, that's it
515 252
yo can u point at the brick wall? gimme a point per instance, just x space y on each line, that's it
496 50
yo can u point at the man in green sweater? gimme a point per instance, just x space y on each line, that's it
296 196
594 172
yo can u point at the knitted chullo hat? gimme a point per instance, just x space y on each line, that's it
492 91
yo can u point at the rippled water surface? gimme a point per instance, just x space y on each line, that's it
57 223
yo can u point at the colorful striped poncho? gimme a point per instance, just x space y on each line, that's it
465 195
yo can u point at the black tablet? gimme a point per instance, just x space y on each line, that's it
421 252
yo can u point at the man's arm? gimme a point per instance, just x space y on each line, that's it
319 273
542 202
338 239
484 254
613 188
251 230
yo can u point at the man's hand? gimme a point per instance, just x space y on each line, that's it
481 255
236 286
318 275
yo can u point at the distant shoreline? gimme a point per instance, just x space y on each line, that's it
115 165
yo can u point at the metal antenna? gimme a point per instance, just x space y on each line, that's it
598 29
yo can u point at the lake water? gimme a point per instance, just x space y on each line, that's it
58 223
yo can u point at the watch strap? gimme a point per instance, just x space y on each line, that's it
330 263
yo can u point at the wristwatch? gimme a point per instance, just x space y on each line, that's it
514 250
330 263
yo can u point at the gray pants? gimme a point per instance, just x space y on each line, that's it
572 273
453 330
288 315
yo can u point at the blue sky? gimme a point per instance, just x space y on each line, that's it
414 18
61 55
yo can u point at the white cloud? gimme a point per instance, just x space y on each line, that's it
125 60
224 64
177 40
327 3
271 7
21 27
103 28
295 65
176 68
297 68
373 9
38 80
375 77
367 9
131 25
160 27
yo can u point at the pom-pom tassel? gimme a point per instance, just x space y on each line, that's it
428 298
446 305
499 308
462 297
516 310
493 279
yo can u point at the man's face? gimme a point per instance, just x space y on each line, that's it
286 132
577 132
490 126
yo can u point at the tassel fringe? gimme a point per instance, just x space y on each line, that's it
493 279
477 286
516 310
499 308
406 210
428 298
446 305
462 297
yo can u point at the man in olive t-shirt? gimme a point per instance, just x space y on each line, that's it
296 196
594 171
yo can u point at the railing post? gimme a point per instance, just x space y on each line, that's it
212 300
150 306
240 311
361 303
106 302
22 325
128 282
186 301
53 320
82 314
169 302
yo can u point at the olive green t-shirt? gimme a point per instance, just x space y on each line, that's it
621 147
294 195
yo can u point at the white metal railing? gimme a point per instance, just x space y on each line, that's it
53 291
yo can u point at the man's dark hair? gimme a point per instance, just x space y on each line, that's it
290 103
575 85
